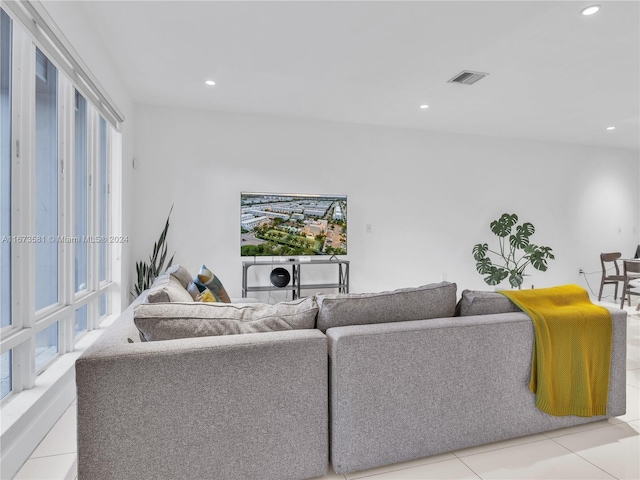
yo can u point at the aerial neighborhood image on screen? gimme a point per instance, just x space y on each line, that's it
293 224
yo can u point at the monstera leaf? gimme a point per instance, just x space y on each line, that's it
480 251
502 226
538 256
496 275
484 266
547 253
521 237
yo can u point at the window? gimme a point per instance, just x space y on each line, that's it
5 176
55 140
81 194
81 320
46 193
46 345
103 305
5 374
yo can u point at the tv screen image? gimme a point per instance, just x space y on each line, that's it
285 224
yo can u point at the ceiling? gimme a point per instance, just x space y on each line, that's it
554 75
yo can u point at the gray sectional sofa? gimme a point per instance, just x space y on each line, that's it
382 378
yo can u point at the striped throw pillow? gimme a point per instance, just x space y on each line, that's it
206 278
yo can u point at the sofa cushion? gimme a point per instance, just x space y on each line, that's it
180 320
207 278
476 302
429 301
181 273
167 288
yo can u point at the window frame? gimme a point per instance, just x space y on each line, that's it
19 337
10 326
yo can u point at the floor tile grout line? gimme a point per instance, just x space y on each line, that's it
591 463
501 448
472 470
73 471
52 455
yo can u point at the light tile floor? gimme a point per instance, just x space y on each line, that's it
609 449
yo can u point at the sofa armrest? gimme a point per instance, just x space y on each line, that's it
237 406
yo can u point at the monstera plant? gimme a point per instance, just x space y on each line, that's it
516 252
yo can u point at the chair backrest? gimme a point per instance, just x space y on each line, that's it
632 267
610 258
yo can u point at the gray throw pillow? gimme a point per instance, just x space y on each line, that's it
476 302
436 300
168 288
180 320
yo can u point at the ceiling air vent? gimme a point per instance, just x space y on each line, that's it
467 77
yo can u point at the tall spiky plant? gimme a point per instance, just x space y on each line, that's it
146 273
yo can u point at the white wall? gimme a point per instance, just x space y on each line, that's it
429 197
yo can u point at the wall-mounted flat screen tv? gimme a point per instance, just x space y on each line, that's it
284 224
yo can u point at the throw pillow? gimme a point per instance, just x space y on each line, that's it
194 292
200 293
167 288
476 302
429 301
208 279
180 320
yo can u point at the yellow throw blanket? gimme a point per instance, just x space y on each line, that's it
572 349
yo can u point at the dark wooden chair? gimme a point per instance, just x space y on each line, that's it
610 258
631 273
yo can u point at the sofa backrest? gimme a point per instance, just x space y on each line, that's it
426 302
477 302
169 321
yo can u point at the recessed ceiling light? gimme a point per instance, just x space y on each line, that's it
424 106
590 10
210 82
611 128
